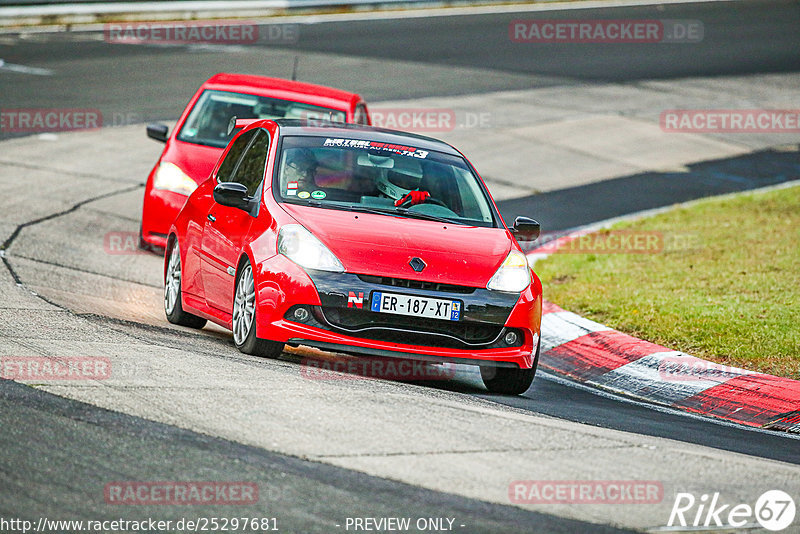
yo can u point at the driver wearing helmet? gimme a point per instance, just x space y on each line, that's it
402 197
301 167
216 124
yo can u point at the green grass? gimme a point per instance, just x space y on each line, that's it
724 288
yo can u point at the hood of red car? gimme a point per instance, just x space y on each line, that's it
197 161
384 245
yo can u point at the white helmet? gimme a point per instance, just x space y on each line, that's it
393 191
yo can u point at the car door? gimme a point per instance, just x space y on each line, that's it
226 228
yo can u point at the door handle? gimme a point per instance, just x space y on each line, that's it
211 217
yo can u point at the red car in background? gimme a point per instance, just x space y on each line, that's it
201 134
358 240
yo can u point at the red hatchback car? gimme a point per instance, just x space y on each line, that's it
201 134
357 240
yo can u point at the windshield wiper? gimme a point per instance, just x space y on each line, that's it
343 207
419 215
404 212
395 212
377 211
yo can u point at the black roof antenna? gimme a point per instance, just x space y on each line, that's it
294 69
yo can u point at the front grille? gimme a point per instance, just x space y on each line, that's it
415 284
410 330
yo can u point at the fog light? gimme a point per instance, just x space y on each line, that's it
301 314
511 338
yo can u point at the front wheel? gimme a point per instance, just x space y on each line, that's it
244 318
172 293
508 380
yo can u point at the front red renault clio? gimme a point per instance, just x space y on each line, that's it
357 240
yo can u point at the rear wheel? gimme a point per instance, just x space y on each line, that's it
508 380
244 318
172 293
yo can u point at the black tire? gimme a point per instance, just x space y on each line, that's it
244 335
173 307
508 380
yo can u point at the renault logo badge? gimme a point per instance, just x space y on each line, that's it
417 264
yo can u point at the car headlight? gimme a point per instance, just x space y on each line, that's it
300 246
171 178
513 275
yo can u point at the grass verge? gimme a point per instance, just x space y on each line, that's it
719 279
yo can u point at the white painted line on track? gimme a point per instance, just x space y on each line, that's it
22 69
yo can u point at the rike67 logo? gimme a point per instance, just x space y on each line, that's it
774 510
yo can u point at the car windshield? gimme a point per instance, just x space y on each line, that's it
207 123
397 180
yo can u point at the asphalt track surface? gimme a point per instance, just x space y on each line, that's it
98 442
416 57
728 47
572 207
150 83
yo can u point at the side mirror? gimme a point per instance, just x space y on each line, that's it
232 194
526 229
157 131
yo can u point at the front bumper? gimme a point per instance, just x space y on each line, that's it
159 211
479 337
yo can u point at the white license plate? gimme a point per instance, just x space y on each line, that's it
449 310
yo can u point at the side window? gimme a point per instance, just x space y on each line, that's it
470 192
228 167
251 169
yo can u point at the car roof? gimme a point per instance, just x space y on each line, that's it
361 132
295 91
